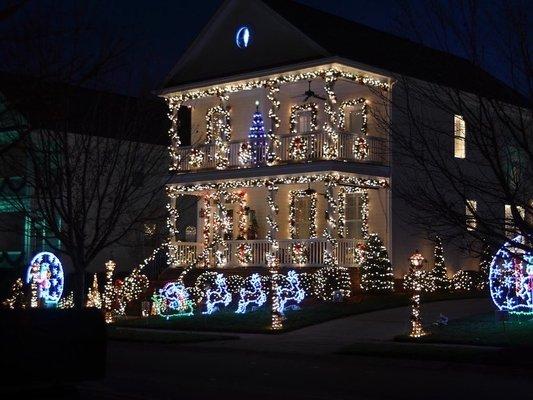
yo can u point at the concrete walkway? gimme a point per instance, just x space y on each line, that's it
330 336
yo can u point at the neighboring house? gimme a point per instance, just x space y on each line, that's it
310 79
31 106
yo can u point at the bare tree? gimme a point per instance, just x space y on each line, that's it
92 164
429 118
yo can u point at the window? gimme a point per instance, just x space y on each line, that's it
354 120
354 216
510 226
304 121
303 210
470 210
459 137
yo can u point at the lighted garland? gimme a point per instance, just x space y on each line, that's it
252 293
109 291
330 251
293 196
331 145
272 84
272 256
341 221
224 136
364 113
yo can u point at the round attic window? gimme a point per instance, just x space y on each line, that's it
243 37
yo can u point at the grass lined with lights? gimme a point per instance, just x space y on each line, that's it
482 330
260 321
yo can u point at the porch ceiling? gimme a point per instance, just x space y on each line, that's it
361 169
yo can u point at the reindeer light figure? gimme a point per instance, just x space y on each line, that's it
217 295
255 296
293 293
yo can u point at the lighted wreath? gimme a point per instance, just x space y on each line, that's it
511 278
245 154
298 148
360 148
299 253
244 254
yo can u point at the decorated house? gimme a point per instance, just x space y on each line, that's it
286 159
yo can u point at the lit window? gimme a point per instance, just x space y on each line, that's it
304 121
470 210
354 216
354 120
459 137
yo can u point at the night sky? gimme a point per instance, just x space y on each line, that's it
159 31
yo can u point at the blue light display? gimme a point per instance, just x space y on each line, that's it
290 294
217 295
252 293
243 37
511 279
173 301
46 273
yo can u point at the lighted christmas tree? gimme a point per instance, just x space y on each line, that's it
94 298
440 275
376 269
257 136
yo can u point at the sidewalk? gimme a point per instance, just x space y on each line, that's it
330 336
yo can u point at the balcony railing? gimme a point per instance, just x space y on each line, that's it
292 252
290 149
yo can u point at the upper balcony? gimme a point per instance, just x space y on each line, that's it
288 149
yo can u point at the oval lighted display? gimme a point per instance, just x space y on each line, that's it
243 37
45 273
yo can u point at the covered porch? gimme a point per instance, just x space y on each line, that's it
303 219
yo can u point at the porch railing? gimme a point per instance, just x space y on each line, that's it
291 149
292 252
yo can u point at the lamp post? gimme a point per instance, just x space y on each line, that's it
416 262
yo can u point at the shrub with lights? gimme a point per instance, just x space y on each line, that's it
465 280
332 283
511 278
440 274
376 268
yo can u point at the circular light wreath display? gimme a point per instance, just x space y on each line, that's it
46 272
511 279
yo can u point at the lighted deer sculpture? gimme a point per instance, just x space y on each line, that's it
255 296
290 293
217 295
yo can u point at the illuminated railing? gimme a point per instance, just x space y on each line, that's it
292 252
289 149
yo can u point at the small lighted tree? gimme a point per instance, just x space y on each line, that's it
257 135
440 275
484 267
376 269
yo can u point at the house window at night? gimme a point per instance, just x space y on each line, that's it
459 137
304 119
354 120
470 210
354 216
303 210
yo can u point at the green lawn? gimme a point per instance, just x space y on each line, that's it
482 330
157 336
259 321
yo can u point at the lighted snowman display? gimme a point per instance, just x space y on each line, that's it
46 279
511 279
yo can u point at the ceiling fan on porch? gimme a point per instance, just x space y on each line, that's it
309 93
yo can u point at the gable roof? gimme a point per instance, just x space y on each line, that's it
53 105
335 36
